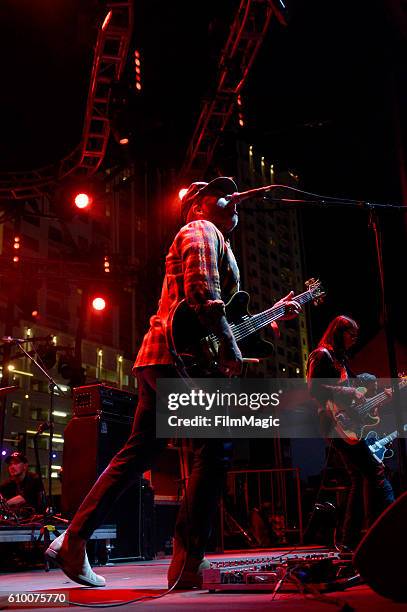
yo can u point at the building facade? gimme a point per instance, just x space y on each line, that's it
268 246
63 260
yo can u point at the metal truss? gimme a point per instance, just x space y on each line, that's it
247 33
110 56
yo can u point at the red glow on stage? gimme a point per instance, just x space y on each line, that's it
98 304
182 192
82 200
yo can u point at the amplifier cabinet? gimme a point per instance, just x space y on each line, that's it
102 399
90 443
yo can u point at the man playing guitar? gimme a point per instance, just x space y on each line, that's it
200 269
329 381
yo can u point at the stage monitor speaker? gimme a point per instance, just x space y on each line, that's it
380 557
90 442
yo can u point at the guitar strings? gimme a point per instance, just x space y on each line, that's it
371 403
245 328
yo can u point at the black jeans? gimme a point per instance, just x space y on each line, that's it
204 486
362 467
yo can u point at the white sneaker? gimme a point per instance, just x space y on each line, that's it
77 569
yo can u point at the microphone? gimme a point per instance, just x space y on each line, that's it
10 340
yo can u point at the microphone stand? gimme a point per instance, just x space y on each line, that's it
49 511
374 209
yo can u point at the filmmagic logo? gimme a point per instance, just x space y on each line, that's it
221 408
224 421
221 399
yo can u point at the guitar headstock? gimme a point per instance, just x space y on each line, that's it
316 290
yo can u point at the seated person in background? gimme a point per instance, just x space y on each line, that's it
23 488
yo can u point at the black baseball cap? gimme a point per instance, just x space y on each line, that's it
16 457
222 185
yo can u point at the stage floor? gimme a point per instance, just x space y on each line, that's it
130 581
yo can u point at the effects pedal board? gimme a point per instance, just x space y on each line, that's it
267 573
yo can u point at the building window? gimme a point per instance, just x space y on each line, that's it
119 370
42 442
39 385
39 414
55 234
30 243
15 409
99 363
33 220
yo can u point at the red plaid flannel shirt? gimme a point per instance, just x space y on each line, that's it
200 266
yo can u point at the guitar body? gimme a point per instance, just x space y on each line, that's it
350 426
198 347
379 450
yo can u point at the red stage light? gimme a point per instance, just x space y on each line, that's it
35 314
82 200
124 141
98 303
182 192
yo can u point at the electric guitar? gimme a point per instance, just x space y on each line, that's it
352 423
198 348
379 447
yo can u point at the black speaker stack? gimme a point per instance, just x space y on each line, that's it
101 424
381 555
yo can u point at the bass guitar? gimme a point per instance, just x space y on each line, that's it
352 423
198 348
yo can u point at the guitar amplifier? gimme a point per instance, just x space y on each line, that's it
101 399
91 441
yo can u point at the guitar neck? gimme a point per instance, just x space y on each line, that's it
377 400
387 439
262 319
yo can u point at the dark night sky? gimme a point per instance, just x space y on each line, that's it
338 63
